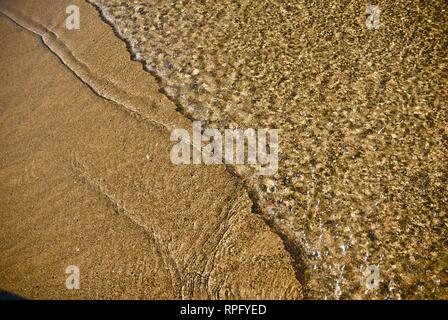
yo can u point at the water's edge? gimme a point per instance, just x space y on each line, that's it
294 248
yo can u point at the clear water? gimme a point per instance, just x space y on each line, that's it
362 117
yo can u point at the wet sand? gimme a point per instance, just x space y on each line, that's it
362 116
86 178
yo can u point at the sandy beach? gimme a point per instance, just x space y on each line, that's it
86 177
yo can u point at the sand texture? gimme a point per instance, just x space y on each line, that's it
86 178
362 114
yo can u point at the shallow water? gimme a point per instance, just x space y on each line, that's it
362 117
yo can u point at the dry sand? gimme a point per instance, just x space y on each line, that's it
86 178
